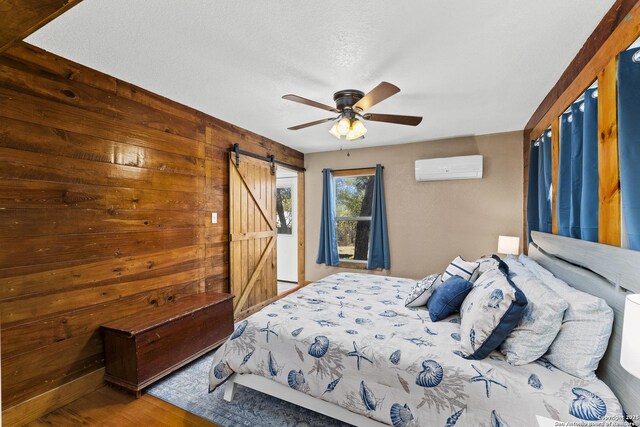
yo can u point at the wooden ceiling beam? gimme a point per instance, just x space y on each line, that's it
19 18
590 60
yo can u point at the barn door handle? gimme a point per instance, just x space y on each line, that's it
273 164
236 149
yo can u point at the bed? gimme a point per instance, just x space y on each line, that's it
347 346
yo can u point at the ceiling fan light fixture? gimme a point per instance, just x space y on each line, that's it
343 126
358 128
351 135
334 130
351 107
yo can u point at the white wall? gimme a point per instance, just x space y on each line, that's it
429 222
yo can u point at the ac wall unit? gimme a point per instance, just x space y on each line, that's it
462 167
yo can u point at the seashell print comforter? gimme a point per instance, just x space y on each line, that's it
348 339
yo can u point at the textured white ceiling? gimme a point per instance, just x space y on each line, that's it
468 66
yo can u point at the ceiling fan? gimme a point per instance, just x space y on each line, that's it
351 105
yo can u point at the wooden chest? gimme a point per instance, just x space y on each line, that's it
141 349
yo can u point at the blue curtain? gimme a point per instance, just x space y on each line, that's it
576 168
379 238
563 204
589 199
532 192
544 184
328 247
629 141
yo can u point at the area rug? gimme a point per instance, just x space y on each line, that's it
188 389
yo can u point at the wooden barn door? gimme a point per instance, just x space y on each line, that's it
252 232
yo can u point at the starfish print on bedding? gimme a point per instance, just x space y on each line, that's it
488 379
357 353
268 330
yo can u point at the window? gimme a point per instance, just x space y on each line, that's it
354 197
284 211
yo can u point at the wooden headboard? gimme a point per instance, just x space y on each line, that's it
607 272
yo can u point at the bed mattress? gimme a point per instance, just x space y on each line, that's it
348 339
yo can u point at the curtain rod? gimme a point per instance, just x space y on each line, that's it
352 169
270 158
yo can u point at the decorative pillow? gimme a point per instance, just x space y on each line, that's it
422 291
586 327
541 321
459 267
447 297
490 312
515 267
486 262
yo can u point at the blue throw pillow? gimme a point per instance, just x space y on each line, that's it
448 297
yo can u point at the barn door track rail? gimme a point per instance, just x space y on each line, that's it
269 159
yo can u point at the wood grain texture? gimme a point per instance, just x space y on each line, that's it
107 192
355 172
301 230
615 32
44 332
252 232
609 216
142 348
110 407
31 409
19 18
248 312
619 28
526 146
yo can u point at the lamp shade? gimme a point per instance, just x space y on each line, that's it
334 131
344 125
630 351
358 128
508 245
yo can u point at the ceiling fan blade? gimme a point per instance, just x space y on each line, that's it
306 125
378 94
392 118
305 101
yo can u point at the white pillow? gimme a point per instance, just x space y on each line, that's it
459 267
516 267
485 263
585 330
422 291
541 321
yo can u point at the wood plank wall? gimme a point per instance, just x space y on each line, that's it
106 193
20 18
618 29
609 219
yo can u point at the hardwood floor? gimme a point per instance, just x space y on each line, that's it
285 286
110 407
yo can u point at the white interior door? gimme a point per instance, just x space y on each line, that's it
287 225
